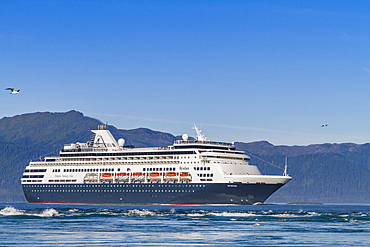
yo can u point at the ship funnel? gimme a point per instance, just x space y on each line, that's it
102 127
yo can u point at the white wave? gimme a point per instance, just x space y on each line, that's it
143 212
11 211
344 215
287 215
358 221
8 211
268 212
195 215
234 214
222 214
313 214
48 213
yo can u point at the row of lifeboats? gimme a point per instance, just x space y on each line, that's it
107 175
171 174
183 175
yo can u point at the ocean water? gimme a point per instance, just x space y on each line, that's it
23 224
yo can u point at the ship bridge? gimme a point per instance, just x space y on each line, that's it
201 142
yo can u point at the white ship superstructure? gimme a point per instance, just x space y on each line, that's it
179 174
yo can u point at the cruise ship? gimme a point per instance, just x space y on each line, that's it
190 172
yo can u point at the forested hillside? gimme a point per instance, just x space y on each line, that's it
328 173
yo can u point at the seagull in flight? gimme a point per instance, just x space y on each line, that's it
324 125
12 90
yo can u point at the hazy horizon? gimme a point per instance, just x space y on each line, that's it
191 132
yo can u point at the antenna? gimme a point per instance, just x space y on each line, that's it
286 166
200 136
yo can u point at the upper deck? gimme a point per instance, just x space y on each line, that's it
203 144
103 143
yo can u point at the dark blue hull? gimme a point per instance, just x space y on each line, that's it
181 193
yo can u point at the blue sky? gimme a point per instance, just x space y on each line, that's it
241 70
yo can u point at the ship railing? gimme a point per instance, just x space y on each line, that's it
86 150
47 158
111 149
204 142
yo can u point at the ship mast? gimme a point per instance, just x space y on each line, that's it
286 167
200 136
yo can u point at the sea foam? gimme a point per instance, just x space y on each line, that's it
11 211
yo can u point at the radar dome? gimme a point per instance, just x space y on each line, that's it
185 137
121 142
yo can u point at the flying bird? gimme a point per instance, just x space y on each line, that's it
324 125
12 90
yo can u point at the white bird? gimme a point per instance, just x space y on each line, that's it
324 125
12 90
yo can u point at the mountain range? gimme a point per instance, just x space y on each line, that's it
322 173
